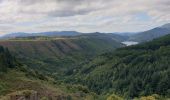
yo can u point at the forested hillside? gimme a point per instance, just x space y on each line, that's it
55 54
132 71
73 71
19 82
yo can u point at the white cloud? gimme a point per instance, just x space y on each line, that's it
82 15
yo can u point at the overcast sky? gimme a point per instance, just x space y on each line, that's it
82 15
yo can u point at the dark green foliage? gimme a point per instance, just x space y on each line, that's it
131 71
6 60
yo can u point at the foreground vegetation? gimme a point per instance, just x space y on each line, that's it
17 80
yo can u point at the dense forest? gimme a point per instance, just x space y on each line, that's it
6 60
132 71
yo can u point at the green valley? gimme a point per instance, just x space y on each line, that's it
55 54
85 67
84 50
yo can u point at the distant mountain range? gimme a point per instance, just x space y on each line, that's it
120 37
51 33
151 34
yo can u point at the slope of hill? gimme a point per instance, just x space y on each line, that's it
18 82
114 36
132 71
151 34
56 54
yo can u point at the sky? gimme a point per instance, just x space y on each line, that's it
82 15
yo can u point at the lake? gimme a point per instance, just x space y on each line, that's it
129 43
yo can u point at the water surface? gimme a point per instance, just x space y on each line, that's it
129 43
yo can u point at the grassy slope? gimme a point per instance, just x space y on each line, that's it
131 71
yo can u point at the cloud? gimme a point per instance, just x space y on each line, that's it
82 15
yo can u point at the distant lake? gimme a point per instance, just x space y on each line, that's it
128 43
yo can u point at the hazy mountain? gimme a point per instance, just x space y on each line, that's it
120 37
166 26
125 33
114 36
52 33
151 34
56 33
14 35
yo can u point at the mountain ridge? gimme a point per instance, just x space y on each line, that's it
151 34
144 36
50 33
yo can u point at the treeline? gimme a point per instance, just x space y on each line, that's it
133 71
6 60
